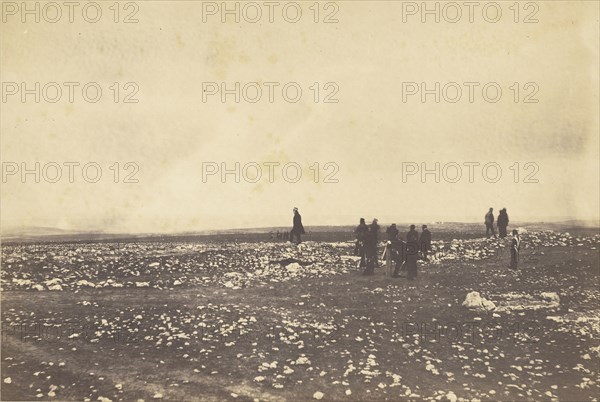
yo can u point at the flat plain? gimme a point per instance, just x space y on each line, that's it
248 316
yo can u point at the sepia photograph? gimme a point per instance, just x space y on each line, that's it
334 200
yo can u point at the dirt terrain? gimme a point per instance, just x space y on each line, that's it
257 318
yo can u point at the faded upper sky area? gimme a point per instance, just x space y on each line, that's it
543 126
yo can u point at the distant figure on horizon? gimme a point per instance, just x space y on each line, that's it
515 246
425 242
502 223
489 223
297 229
359 249
412 252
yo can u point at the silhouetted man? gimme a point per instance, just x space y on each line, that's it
412 249
502 223
400 254
489 223
298 229
392 232
425 242
371 240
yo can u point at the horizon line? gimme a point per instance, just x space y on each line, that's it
20 231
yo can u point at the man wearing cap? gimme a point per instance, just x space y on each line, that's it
297 229
425 242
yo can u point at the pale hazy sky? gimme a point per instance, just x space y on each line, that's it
368 134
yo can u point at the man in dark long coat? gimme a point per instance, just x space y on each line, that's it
425 242
489 223
502 223
371 240
412 250
400 249
298 229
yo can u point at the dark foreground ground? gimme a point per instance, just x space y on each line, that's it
192 320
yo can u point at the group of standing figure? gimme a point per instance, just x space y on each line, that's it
502 223
404 253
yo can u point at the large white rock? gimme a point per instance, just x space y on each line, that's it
551 297
475 301
293 267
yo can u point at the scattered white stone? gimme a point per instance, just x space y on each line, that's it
293 267
551 297
475 301
302 360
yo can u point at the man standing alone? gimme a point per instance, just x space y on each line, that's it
298 229
489 223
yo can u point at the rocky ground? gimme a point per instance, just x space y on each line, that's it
274 321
